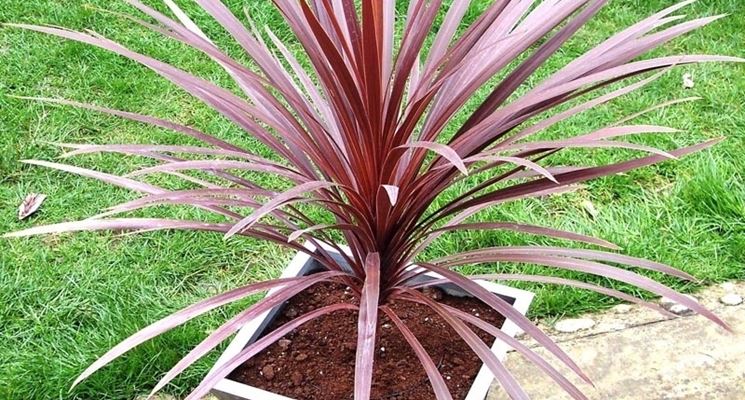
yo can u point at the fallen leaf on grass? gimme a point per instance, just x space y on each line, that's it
688 81
590 209
30 204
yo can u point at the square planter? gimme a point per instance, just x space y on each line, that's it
302 264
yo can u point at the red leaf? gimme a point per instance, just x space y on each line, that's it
435 378
366 327
261 344
360 116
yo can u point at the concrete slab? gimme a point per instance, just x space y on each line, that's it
643 356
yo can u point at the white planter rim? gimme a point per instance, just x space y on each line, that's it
302 263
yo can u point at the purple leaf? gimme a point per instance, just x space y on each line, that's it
604 270
276 202
366 327
187 314
435 378
392 192
230 327
508 382
350 126
256 347
541 363
531 229
443 150
509 312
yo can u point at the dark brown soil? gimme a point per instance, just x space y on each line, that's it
316 361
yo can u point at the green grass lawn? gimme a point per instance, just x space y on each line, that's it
65 300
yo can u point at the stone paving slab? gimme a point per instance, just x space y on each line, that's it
638 355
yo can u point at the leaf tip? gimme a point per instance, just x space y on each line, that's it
727 327
461 166
392 191
77 382
152 393
293 236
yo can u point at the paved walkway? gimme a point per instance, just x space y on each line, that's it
634 353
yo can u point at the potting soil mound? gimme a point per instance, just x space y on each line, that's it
316 361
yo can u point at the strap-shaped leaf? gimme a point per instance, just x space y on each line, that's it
503 376
435 378
443 150
145 119
366 328
564 252
259 345
578 176
230 327
496 160
531 229
276 202
607 271
534 358
361 116
392 191
187 314
555 281
509 312
116 180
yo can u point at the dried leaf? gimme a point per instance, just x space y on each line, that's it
688 81
30 205
590 209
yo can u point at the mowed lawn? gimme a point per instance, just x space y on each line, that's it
64 300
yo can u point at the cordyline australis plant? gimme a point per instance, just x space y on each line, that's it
360 135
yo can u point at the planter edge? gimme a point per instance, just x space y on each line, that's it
227 389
